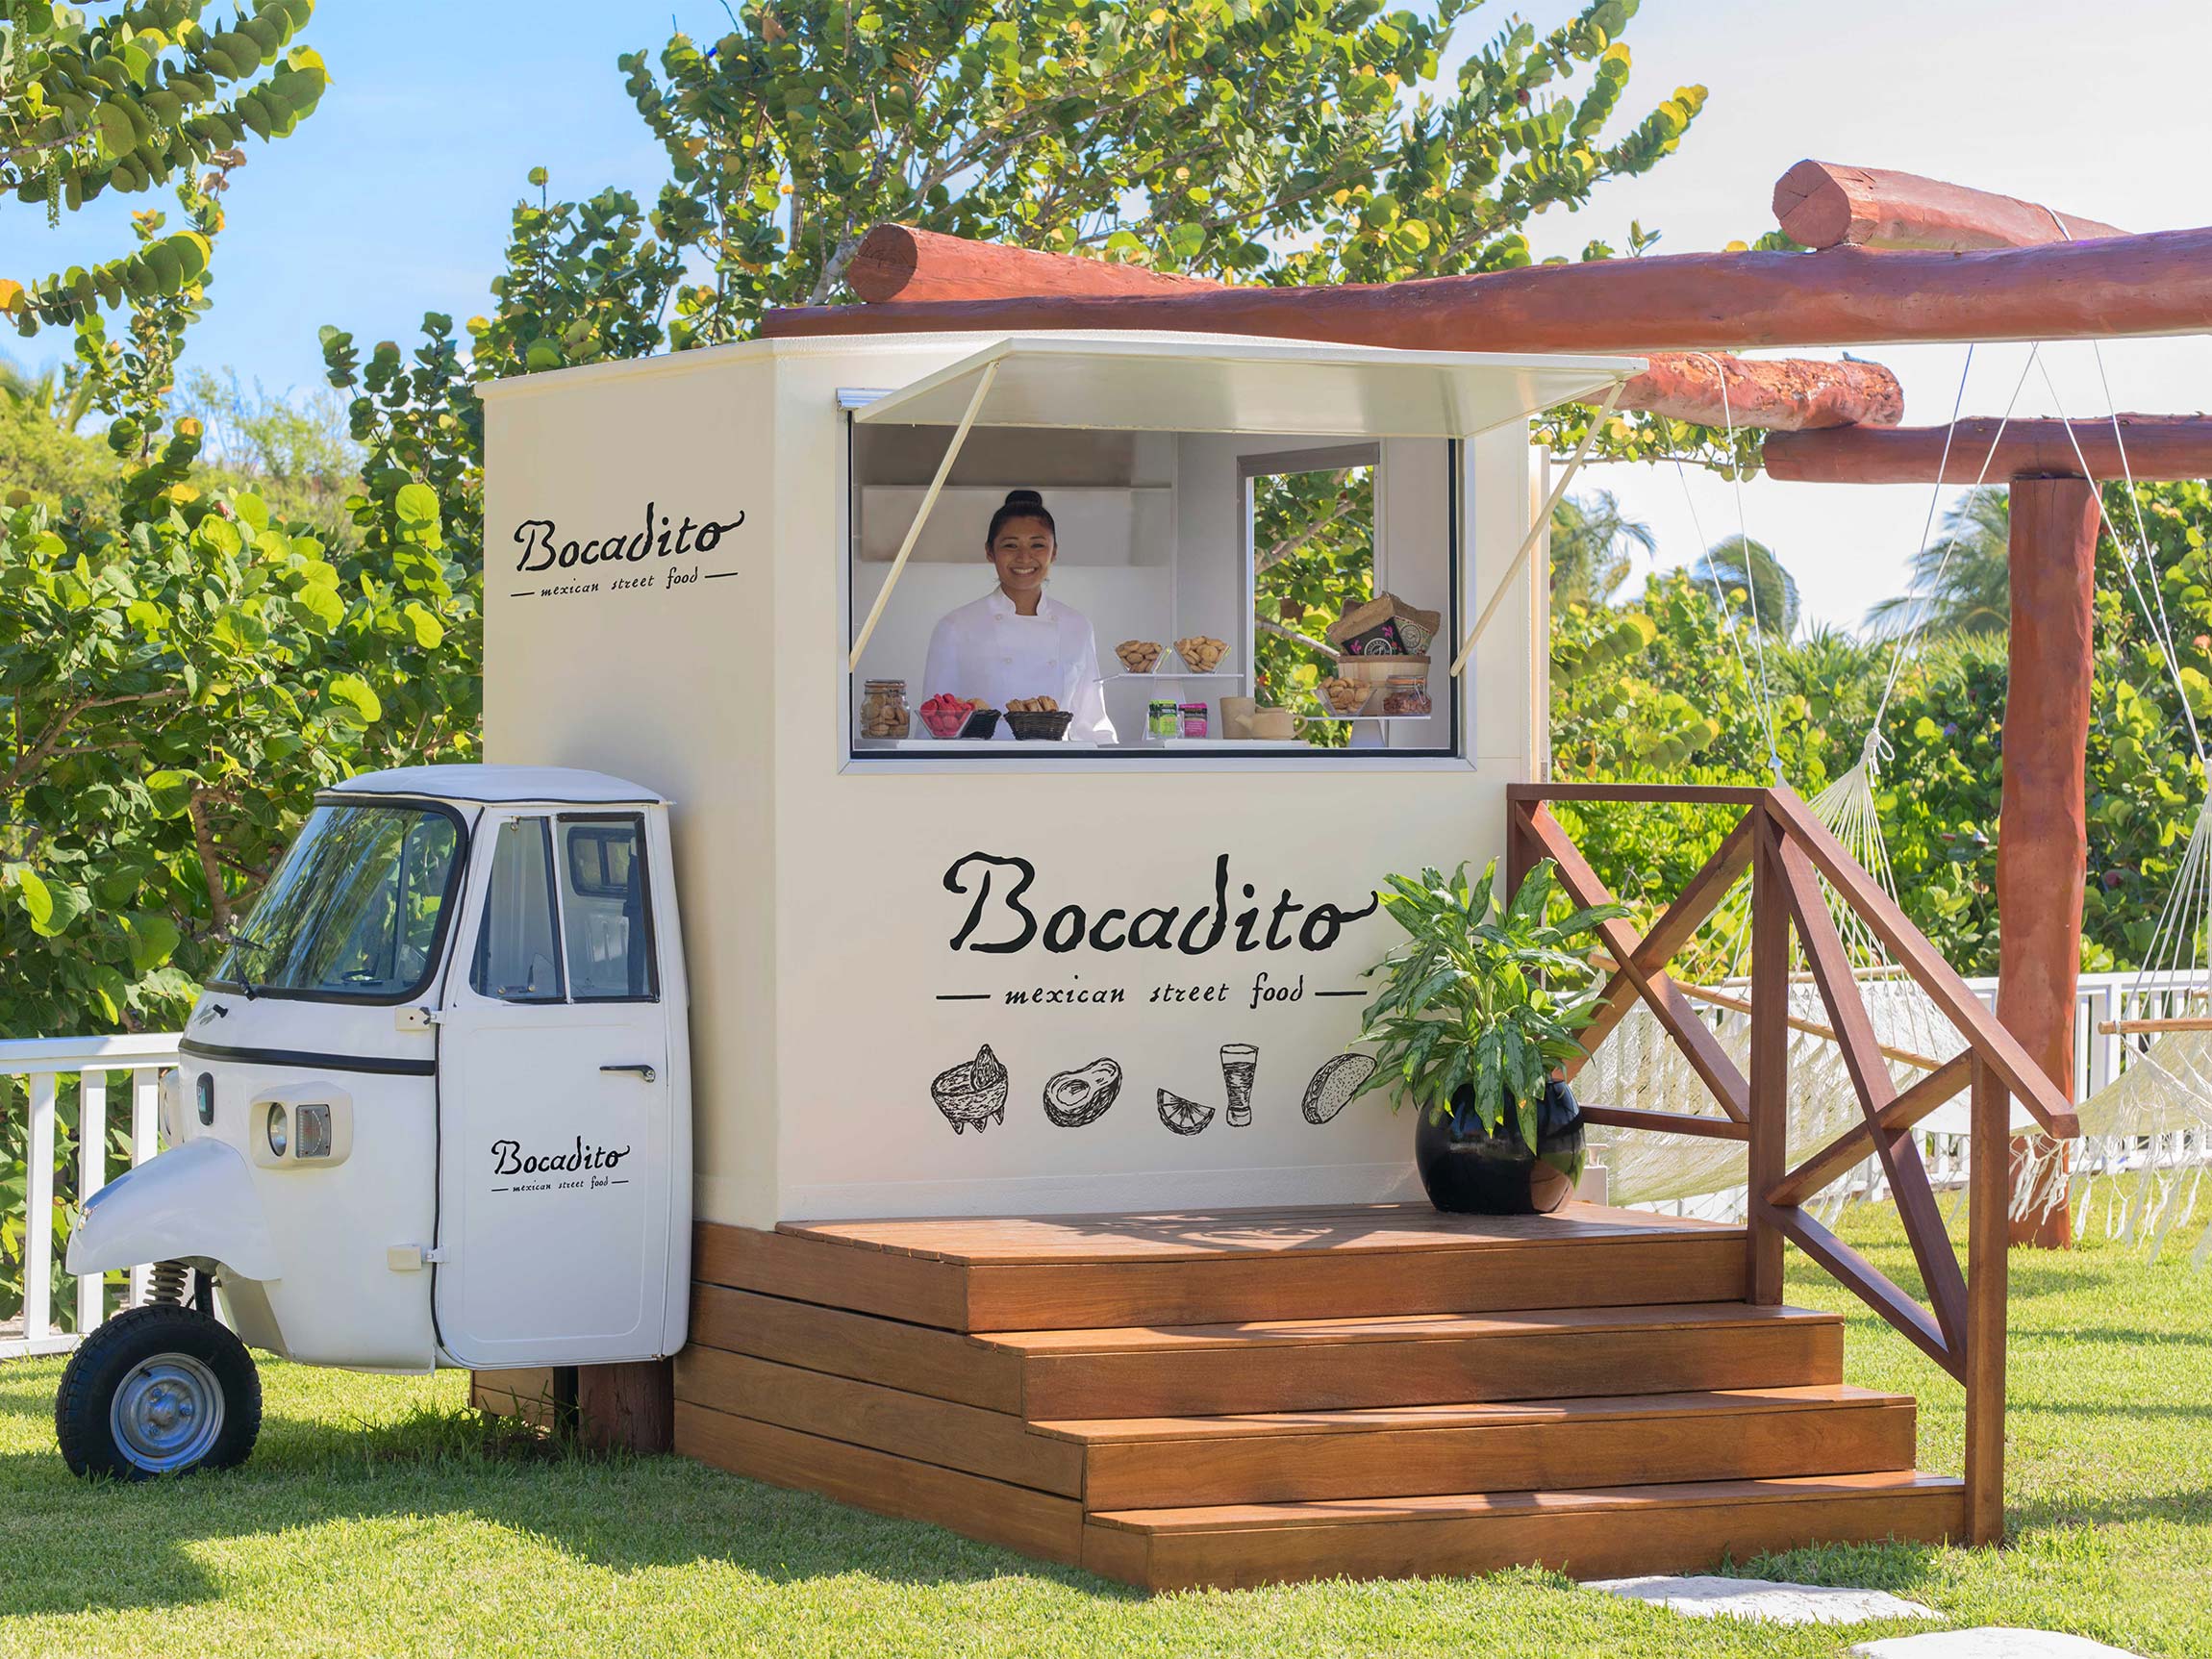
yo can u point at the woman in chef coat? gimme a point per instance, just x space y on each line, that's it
1016 642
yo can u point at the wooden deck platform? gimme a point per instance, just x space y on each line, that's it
1248 1396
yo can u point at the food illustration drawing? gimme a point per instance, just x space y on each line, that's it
1335 1083
973 1092
1184 1117
1240 1064
1074 1098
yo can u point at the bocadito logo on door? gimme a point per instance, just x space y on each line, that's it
626 562
581 1167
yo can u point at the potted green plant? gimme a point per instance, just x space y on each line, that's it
1483 1005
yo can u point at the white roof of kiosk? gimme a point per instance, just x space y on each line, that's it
556 785
1237 383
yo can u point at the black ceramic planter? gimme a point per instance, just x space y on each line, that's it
1471 1172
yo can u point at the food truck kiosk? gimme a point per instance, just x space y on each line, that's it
443 1105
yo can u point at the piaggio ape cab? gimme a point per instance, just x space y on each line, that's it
434 1110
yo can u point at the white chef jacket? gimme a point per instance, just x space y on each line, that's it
988 652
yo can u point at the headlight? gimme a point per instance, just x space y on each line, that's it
276 1131
314 1130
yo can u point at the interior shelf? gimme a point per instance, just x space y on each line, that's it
1173 674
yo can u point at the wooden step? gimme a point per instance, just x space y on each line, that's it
1145 1462
1590 1533
1291 1365
1069 1272
1289 1457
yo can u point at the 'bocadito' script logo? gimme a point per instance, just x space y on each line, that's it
662 537
509 1159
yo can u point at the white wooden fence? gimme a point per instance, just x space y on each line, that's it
112 1075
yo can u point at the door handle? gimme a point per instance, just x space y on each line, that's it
645 1073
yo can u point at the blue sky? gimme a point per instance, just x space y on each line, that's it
393 198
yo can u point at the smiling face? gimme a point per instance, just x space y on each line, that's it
1022 553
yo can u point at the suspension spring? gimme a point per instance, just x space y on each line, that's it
170 1283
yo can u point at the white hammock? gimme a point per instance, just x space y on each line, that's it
2147 1134
1640 1066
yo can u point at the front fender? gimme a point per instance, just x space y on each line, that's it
194 1200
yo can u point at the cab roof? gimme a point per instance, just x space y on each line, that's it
493 785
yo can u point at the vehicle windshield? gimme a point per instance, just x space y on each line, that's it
354 911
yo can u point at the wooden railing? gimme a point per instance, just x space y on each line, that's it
1787 852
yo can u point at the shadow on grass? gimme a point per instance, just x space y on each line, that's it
2185 1508
102 1546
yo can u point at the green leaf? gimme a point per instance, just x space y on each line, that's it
172 791
416 505
428 631
218 535
350 691
322 603
36 899
153 938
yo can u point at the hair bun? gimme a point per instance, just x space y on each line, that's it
1024 499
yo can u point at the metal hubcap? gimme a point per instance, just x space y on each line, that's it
166 1413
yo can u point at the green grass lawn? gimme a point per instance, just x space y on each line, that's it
378 1516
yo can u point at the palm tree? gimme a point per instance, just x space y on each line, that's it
1962 582
1755 583
48 393
1590 548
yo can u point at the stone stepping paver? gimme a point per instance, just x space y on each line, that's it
1990 1642
1771 1603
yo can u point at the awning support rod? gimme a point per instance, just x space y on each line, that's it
1536 530
914 531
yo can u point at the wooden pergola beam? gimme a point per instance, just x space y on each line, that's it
2161 449
1778 395
1825 206
906 263
2146 285
1792 395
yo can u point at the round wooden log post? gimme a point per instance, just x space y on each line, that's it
2043 835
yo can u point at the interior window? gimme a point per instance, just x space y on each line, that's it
1313 563
517 954
605 911
1199 594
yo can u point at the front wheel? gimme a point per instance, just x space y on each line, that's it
158 1389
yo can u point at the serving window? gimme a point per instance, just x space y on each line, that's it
1254 595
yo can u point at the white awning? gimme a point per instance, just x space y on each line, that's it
1234 383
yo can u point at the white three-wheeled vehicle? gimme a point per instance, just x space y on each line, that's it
434 1110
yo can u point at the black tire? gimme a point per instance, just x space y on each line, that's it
180 1365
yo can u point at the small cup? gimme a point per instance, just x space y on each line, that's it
1237 716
